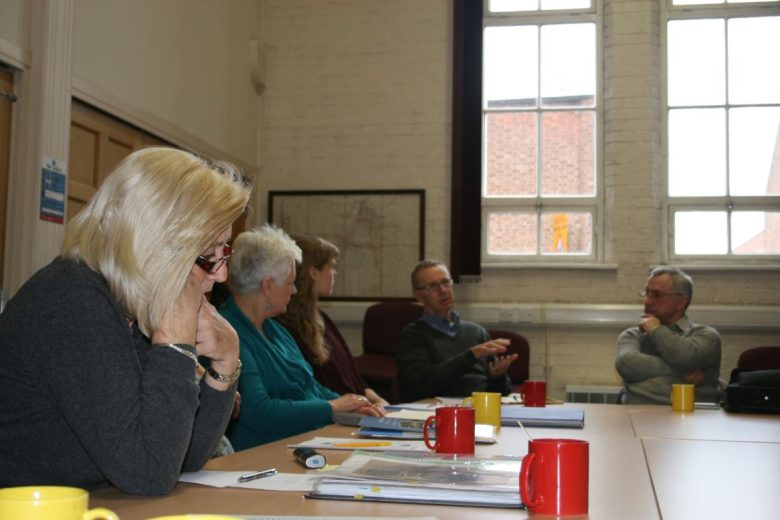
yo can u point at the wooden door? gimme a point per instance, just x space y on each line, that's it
6 102
97 144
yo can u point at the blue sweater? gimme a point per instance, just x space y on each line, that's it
279 395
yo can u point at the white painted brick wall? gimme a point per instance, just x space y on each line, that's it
359 96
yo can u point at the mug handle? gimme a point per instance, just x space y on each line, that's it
426 429
100 513
525 470
468 402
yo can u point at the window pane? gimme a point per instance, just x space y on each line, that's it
550 5
510 153
754 74
754 151
568 70
567 233
501 6
696 2
696 64
700 233
697 152
510 67
568 157
755 232
511 233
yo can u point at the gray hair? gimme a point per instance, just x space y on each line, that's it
681 282
425 264
263 252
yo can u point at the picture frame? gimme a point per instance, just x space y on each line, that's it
380 235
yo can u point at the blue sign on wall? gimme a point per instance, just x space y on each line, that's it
53 181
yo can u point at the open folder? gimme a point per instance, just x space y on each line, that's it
431 479
398 425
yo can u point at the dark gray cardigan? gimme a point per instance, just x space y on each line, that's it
85 400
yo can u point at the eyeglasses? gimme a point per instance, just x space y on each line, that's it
212 266
434 286
657 295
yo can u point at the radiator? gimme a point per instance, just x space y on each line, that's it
592 394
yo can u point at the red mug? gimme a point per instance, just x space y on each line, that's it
534 393
554 477
454 430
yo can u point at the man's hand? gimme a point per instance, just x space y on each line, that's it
500 365
648 323
694 377
490 348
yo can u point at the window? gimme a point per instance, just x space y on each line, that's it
723 131
541 188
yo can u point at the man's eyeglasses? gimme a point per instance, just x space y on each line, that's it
657 295
434 286
212 266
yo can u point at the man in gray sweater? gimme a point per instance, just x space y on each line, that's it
443 355
666 348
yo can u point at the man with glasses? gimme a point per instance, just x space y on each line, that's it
666 348
443 355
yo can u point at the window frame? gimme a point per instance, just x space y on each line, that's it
726 203
591 204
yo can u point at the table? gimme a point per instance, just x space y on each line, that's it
715 479
647 462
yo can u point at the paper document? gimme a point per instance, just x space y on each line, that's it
335 443
278 482
554 417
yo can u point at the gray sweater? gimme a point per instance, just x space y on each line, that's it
651 363
85 399
433 364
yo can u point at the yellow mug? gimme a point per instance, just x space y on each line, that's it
49 503
487 408
683 398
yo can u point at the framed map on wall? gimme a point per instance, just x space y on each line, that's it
380 233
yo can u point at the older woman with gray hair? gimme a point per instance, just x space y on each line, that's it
280 396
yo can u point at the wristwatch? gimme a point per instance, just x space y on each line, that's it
228 379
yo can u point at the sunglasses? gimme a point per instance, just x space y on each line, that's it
212 266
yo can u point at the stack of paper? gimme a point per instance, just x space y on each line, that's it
554 417
433 479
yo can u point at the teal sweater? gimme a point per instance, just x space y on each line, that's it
279 395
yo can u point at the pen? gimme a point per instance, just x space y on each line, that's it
362 444
257 474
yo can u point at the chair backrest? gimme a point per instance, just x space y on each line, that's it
518 371
383 323
761 358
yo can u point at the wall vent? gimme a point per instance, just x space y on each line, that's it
592 394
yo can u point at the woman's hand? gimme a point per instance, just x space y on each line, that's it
356 403
372 409
217 340
181 323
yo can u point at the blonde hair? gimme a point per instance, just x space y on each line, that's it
302 315
263 252
157 211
